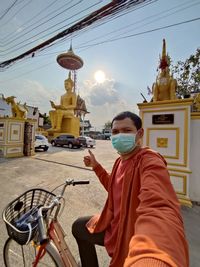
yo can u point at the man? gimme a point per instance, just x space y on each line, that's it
141 224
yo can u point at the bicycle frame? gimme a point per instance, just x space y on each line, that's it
56 235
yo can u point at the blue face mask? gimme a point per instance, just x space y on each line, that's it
123 142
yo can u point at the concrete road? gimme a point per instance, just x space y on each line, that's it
51 168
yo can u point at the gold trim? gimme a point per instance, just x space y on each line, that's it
184 201
179 170
14 155
20 132
2 130
162 142
166 103
160 110
185 131
166 129
184 177
195 115
13 119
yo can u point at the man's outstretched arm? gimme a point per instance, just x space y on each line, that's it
159 239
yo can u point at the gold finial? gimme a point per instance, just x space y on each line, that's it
164 49
163 60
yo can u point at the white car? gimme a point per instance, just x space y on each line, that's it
88 140
41 142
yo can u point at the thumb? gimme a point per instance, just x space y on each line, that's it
90 152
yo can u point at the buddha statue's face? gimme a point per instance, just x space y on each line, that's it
69 85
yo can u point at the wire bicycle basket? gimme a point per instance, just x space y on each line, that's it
24 208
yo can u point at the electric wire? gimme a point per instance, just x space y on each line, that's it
116 39
141 33
134 23
46 34
8 9
29 20
24 45
154 15
18 11
41 24
105 11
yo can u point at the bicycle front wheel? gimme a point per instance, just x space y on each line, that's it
16 255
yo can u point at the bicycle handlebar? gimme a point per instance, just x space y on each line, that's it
80 182
55 202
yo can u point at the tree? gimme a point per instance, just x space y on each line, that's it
187 74
107 125
46 119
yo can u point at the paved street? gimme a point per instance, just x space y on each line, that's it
51 168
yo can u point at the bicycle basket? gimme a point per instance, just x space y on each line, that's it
22 207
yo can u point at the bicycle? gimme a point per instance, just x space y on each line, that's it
36 237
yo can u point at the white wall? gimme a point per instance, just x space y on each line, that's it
194 185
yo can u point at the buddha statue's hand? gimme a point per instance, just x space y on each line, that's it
52 104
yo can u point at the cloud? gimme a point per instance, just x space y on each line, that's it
104 101
34 94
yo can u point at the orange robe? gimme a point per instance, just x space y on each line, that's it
151 231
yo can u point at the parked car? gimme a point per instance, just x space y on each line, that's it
66 140
106 134
87 141
41 142
82 140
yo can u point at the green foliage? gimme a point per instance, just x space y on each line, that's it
187 74
46 119
107 125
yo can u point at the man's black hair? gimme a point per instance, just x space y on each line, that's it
127 114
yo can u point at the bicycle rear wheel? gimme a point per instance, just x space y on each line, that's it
16 255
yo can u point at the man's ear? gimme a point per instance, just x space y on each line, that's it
140 132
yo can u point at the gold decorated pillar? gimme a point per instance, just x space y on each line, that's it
167 130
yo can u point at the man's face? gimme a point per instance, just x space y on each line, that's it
123 126
126 126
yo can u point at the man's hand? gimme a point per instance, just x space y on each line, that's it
90 161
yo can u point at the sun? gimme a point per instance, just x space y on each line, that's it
99 76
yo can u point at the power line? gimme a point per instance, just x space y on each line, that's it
134 23
19 10
112 40
29 20
141 33
155 16
10 40
8 9
36 35
108 10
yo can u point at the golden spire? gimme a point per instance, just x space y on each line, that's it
163 60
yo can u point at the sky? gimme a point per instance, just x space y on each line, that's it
129 63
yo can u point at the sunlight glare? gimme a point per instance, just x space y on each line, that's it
99 76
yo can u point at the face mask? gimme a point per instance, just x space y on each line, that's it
123 142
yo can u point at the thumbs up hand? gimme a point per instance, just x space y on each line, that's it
90 160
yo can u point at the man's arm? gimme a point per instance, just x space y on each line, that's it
159 238
90 161
103 175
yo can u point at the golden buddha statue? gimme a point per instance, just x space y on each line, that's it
66 107
165 86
